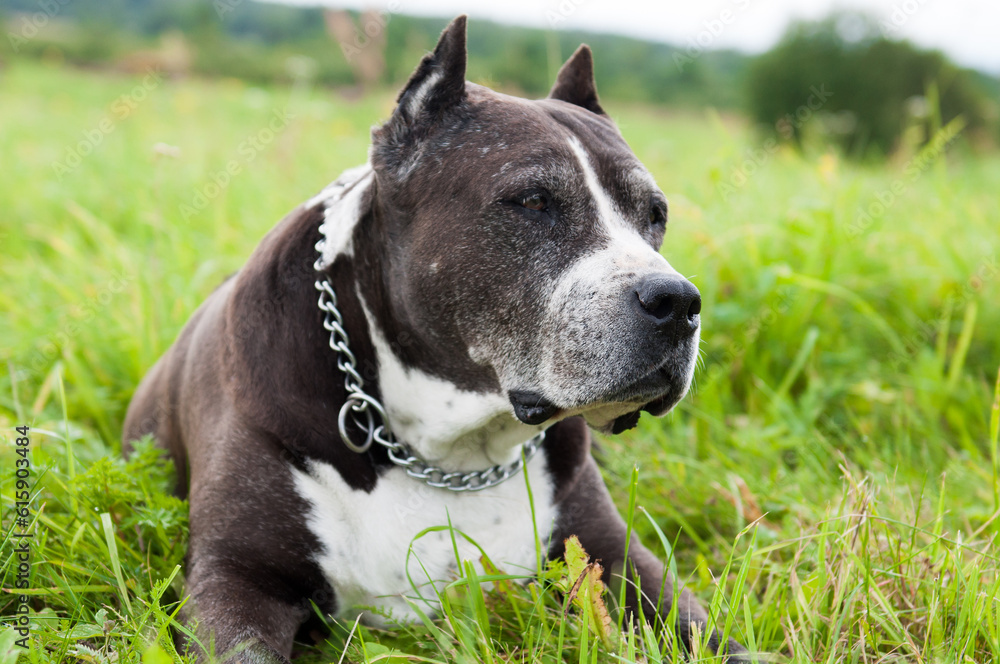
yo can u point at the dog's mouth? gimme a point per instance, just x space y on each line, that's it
655 393
531 407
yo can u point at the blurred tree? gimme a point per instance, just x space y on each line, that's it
873 81
864 89
362 43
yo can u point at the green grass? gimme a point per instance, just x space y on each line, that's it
829 489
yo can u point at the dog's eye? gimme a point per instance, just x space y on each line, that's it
535 202
658 213
534 205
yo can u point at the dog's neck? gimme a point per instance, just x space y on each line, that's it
458 429
446 425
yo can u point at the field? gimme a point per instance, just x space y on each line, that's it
830 487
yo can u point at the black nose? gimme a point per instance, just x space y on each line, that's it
671 302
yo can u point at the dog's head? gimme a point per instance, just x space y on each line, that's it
525 242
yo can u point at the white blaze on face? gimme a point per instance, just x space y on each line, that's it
584 311
625 241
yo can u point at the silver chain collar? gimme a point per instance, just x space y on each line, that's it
369 416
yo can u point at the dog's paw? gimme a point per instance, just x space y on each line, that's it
253 652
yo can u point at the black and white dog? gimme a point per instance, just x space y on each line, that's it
490 275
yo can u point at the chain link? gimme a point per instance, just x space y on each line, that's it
369 416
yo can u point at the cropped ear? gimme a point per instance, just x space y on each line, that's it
575 81
439 80
437 85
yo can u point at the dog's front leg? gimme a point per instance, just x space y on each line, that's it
587 511
238 622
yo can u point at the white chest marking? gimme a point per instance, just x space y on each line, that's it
366 537
448 426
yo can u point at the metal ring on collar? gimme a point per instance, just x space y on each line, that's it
360 402
375 422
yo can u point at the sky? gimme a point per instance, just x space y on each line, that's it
967 30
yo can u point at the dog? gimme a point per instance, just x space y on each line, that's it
402 349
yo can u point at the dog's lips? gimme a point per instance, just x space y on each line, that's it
658 384
531 407
625 422
659 406
656 393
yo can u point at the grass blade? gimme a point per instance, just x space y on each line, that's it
994 448
109 537
961 347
